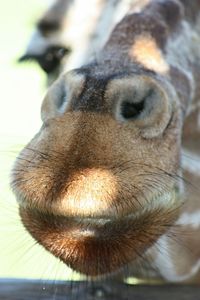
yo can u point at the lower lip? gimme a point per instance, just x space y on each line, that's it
84 244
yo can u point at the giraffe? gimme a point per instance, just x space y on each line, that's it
112 176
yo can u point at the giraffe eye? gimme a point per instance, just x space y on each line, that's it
50 60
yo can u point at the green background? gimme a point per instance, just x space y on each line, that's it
22 87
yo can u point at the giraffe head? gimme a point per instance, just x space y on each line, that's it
99 183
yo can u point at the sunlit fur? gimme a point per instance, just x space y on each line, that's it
100 191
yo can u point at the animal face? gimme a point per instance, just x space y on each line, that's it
97 186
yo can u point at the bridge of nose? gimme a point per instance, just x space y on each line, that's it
90 155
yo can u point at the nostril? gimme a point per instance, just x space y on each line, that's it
144 103
136 105
130 110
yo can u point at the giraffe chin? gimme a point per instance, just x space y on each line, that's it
98 247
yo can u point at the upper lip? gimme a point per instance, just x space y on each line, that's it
166 200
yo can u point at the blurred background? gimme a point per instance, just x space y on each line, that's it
22 87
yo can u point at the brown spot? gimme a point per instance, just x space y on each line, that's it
146 52
46 26
181 82
191 204
191 132
53 18
192 9
170 11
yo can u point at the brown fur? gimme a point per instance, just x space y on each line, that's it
92 186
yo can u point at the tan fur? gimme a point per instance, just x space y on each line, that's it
100 190
146 52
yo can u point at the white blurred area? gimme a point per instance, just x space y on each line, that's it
22 87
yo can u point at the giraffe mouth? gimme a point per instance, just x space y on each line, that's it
99 246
